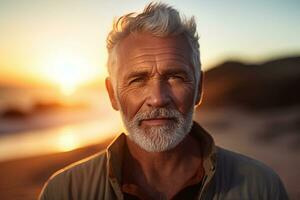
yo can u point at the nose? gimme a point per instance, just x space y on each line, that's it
158 94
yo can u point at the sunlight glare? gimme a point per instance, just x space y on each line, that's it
69 70
67 140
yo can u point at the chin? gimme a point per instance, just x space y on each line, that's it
159 139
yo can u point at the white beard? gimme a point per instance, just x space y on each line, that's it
159 138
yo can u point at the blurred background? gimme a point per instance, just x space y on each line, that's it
53 105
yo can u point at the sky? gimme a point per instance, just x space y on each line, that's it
63 41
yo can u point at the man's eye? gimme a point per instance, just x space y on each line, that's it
176 77
136 80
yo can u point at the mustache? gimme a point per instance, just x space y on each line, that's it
157 113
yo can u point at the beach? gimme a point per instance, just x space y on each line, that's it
250 133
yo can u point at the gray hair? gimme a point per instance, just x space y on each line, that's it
160 20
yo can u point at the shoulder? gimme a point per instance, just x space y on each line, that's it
83 169
232 161
239 172
76 177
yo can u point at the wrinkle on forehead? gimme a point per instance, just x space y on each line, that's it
147 50
172 51
148 43
161 57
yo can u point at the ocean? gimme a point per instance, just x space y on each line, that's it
41 121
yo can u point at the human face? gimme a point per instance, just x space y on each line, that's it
155 89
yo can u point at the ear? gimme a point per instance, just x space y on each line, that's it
111 93
200 89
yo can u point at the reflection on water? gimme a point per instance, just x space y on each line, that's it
53 123
60 139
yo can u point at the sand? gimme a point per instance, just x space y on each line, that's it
24 178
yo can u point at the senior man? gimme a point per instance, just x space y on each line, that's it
155 81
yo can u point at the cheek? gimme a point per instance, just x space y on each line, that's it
130 100
183 97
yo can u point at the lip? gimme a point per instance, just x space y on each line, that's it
156 121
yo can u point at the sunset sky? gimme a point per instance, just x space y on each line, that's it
63 42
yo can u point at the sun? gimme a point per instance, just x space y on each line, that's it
69 70
68 78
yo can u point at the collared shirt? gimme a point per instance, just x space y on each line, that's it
227 175
190 188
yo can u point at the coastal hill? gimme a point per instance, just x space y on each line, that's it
273 84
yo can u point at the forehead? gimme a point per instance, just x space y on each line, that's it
143 47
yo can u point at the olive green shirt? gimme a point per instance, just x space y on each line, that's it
228 175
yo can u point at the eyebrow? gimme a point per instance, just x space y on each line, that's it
143 72
138 73
175 70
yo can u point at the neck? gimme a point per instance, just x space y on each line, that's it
167 162
163 173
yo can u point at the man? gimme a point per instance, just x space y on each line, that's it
155 81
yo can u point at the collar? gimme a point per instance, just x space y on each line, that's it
115 156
